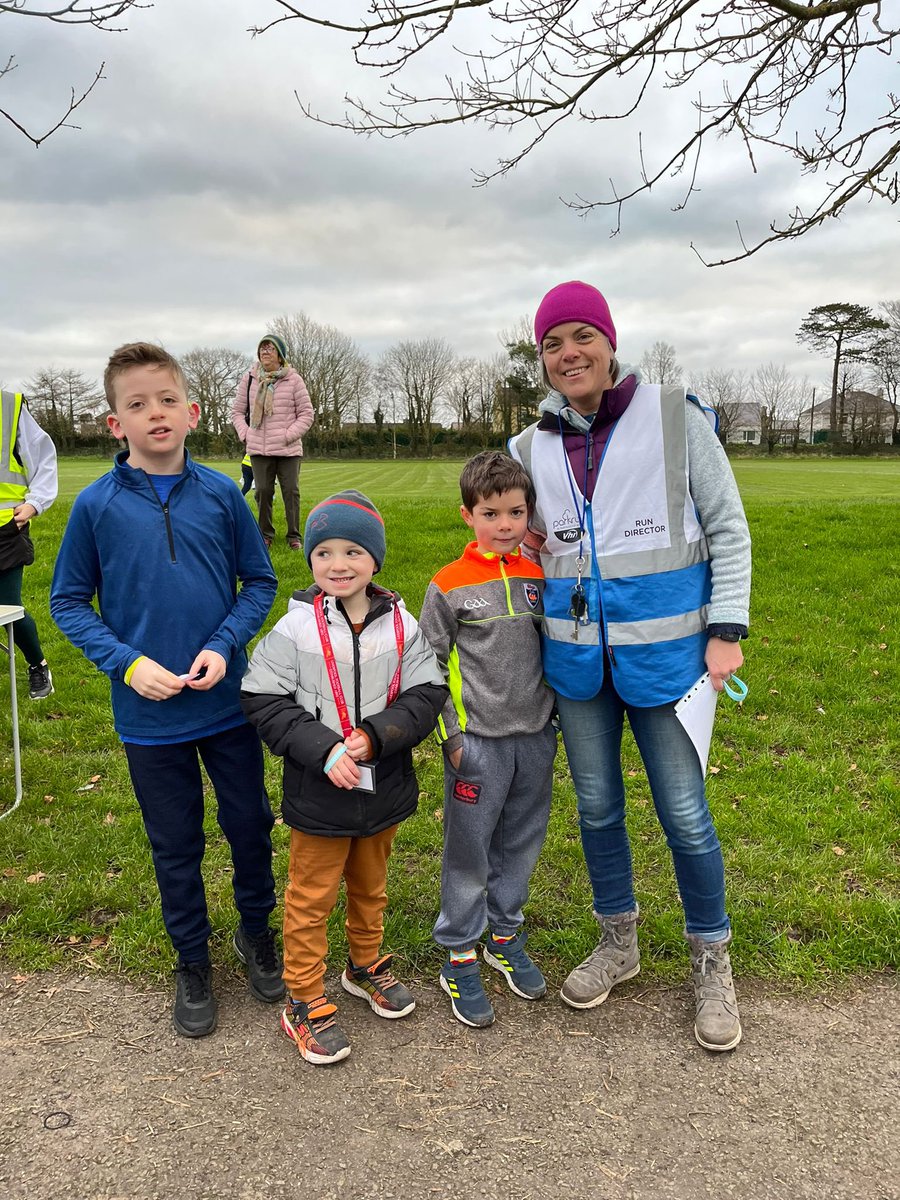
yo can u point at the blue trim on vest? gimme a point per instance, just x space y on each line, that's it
660 673
667 594
558 598
575 671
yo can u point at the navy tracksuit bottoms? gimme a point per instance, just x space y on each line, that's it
169 790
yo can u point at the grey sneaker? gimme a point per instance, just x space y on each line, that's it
718 1024
615 959
40 682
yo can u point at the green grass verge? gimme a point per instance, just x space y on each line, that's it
803 786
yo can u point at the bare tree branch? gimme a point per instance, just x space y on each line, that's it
754 70
75 12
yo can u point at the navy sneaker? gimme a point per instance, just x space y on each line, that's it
462 983
510 959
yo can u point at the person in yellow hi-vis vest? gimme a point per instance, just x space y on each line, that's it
28 486
246 475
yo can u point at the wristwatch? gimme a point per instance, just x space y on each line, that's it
728 633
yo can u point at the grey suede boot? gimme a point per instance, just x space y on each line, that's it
718 1024
614 960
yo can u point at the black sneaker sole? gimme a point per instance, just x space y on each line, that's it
195 1032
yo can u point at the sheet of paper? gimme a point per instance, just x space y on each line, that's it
696 710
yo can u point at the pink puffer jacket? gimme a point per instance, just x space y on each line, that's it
280 435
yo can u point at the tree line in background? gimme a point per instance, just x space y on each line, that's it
421 398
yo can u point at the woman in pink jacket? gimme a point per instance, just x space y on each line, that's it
271 413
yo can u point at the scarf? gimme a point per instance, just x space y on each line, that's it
265 394
557 405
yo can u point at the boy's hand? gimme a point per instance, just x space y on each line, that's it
722 660
154 682
455 757
359 747
345 772
22 514
215 667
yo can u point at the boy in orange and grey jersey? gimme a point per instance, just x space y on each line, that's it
481 614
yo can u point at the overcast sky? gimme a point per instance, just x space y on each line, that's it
196 202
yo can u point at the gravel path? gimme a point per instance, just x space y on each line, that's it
101 1099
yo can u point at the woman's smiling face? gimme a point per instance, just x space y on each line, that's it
578 360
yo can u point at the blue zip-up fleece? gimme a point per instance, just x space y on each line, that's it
165 577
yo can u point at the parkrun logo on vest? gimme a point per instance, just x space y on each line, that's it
643 526
567 528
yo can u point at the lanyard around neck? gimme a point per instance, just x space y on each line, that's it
571 478
334 678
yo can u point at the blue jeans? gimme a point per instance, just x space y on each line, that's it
169 788
592 733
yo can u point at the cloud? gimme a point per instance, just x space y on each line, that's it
196 203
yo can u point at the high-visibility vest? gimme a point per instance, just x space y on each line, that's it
13 483
645 561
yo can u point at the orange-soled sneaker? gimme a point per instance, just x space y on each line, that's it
314 1031
386 995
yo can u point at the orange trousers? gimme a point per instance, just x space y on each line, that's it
315 869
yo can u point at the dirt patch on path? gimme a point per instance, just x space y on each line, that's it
618 1102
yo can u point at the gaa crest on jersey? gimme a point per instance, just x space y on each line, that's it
532 594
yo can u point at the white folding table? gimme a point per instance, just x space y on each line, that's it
8 614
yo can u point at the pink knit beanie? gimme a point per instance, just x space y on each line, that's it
573 301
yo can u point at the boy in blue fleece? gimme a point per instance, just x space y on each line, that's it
162 543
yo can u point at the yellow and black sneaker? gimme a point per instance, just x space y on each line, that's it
386 995
314 1031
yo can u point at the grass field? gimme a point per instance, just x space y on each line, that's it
803 781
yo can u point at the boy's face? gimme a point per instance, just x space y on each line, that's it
498 521
342 569
153 413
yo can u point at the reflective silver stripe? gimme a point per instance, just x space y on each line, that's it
659 629
560 630
562 566
622 566
652 562
520 447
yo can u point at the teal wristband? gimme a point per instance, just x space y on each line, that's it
735 688
338 754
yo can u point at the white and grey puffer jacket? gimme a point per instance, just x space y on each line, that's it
287 696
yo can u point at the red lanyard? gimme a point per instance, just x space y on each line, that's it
337 689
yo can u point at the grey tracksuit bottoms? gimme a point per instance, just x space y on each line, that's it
496 808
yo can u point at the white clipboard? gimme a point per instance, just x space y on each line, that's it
696 710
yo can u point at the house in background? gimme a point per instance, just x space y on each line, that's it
866 419
746 428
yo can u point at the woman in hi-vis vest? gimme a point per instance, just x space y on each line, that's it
645 548
28 486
